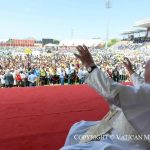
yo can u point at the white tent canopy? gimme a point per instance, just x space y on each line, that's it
143 23
36 53
87 42
51 45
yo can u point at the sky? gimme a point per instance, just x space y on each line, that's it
69 19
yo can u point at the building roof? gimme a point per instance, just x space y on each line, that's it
133 31
143 23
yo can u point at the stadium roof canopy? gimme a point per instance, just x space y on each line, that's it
133 31
143 23
87 42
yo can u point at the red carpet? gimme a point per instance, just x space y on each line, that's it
128 83
40 118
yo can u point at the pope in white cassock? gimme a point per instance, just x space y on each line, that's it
127 125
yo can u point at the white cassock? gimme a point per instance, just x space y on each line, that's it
125 127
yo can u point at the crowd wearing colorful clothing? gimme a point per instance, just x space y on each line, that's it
63 68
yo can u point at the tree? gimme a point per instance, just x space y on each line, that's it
10 41
56 42
112 42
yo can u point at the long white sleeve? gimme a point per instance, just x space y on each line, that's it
103 84
134 100
136 79
135 103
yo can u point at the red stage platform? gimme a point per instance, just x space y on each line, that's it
40 118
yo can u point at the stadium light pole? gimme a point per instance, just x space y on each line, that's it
108 7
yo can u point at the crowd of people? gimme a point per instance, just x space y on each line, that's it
63 68
131 45
29 70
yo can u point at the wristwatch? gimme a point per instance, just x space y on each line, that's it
91 68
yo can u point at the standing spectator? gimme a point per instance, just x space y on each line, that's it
73 74
9 80
32 79
62 76
2 81
23 77
50 74
18 79
48 79
68 72
43 76
27 73
13 72
115 75
81 75
37 73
